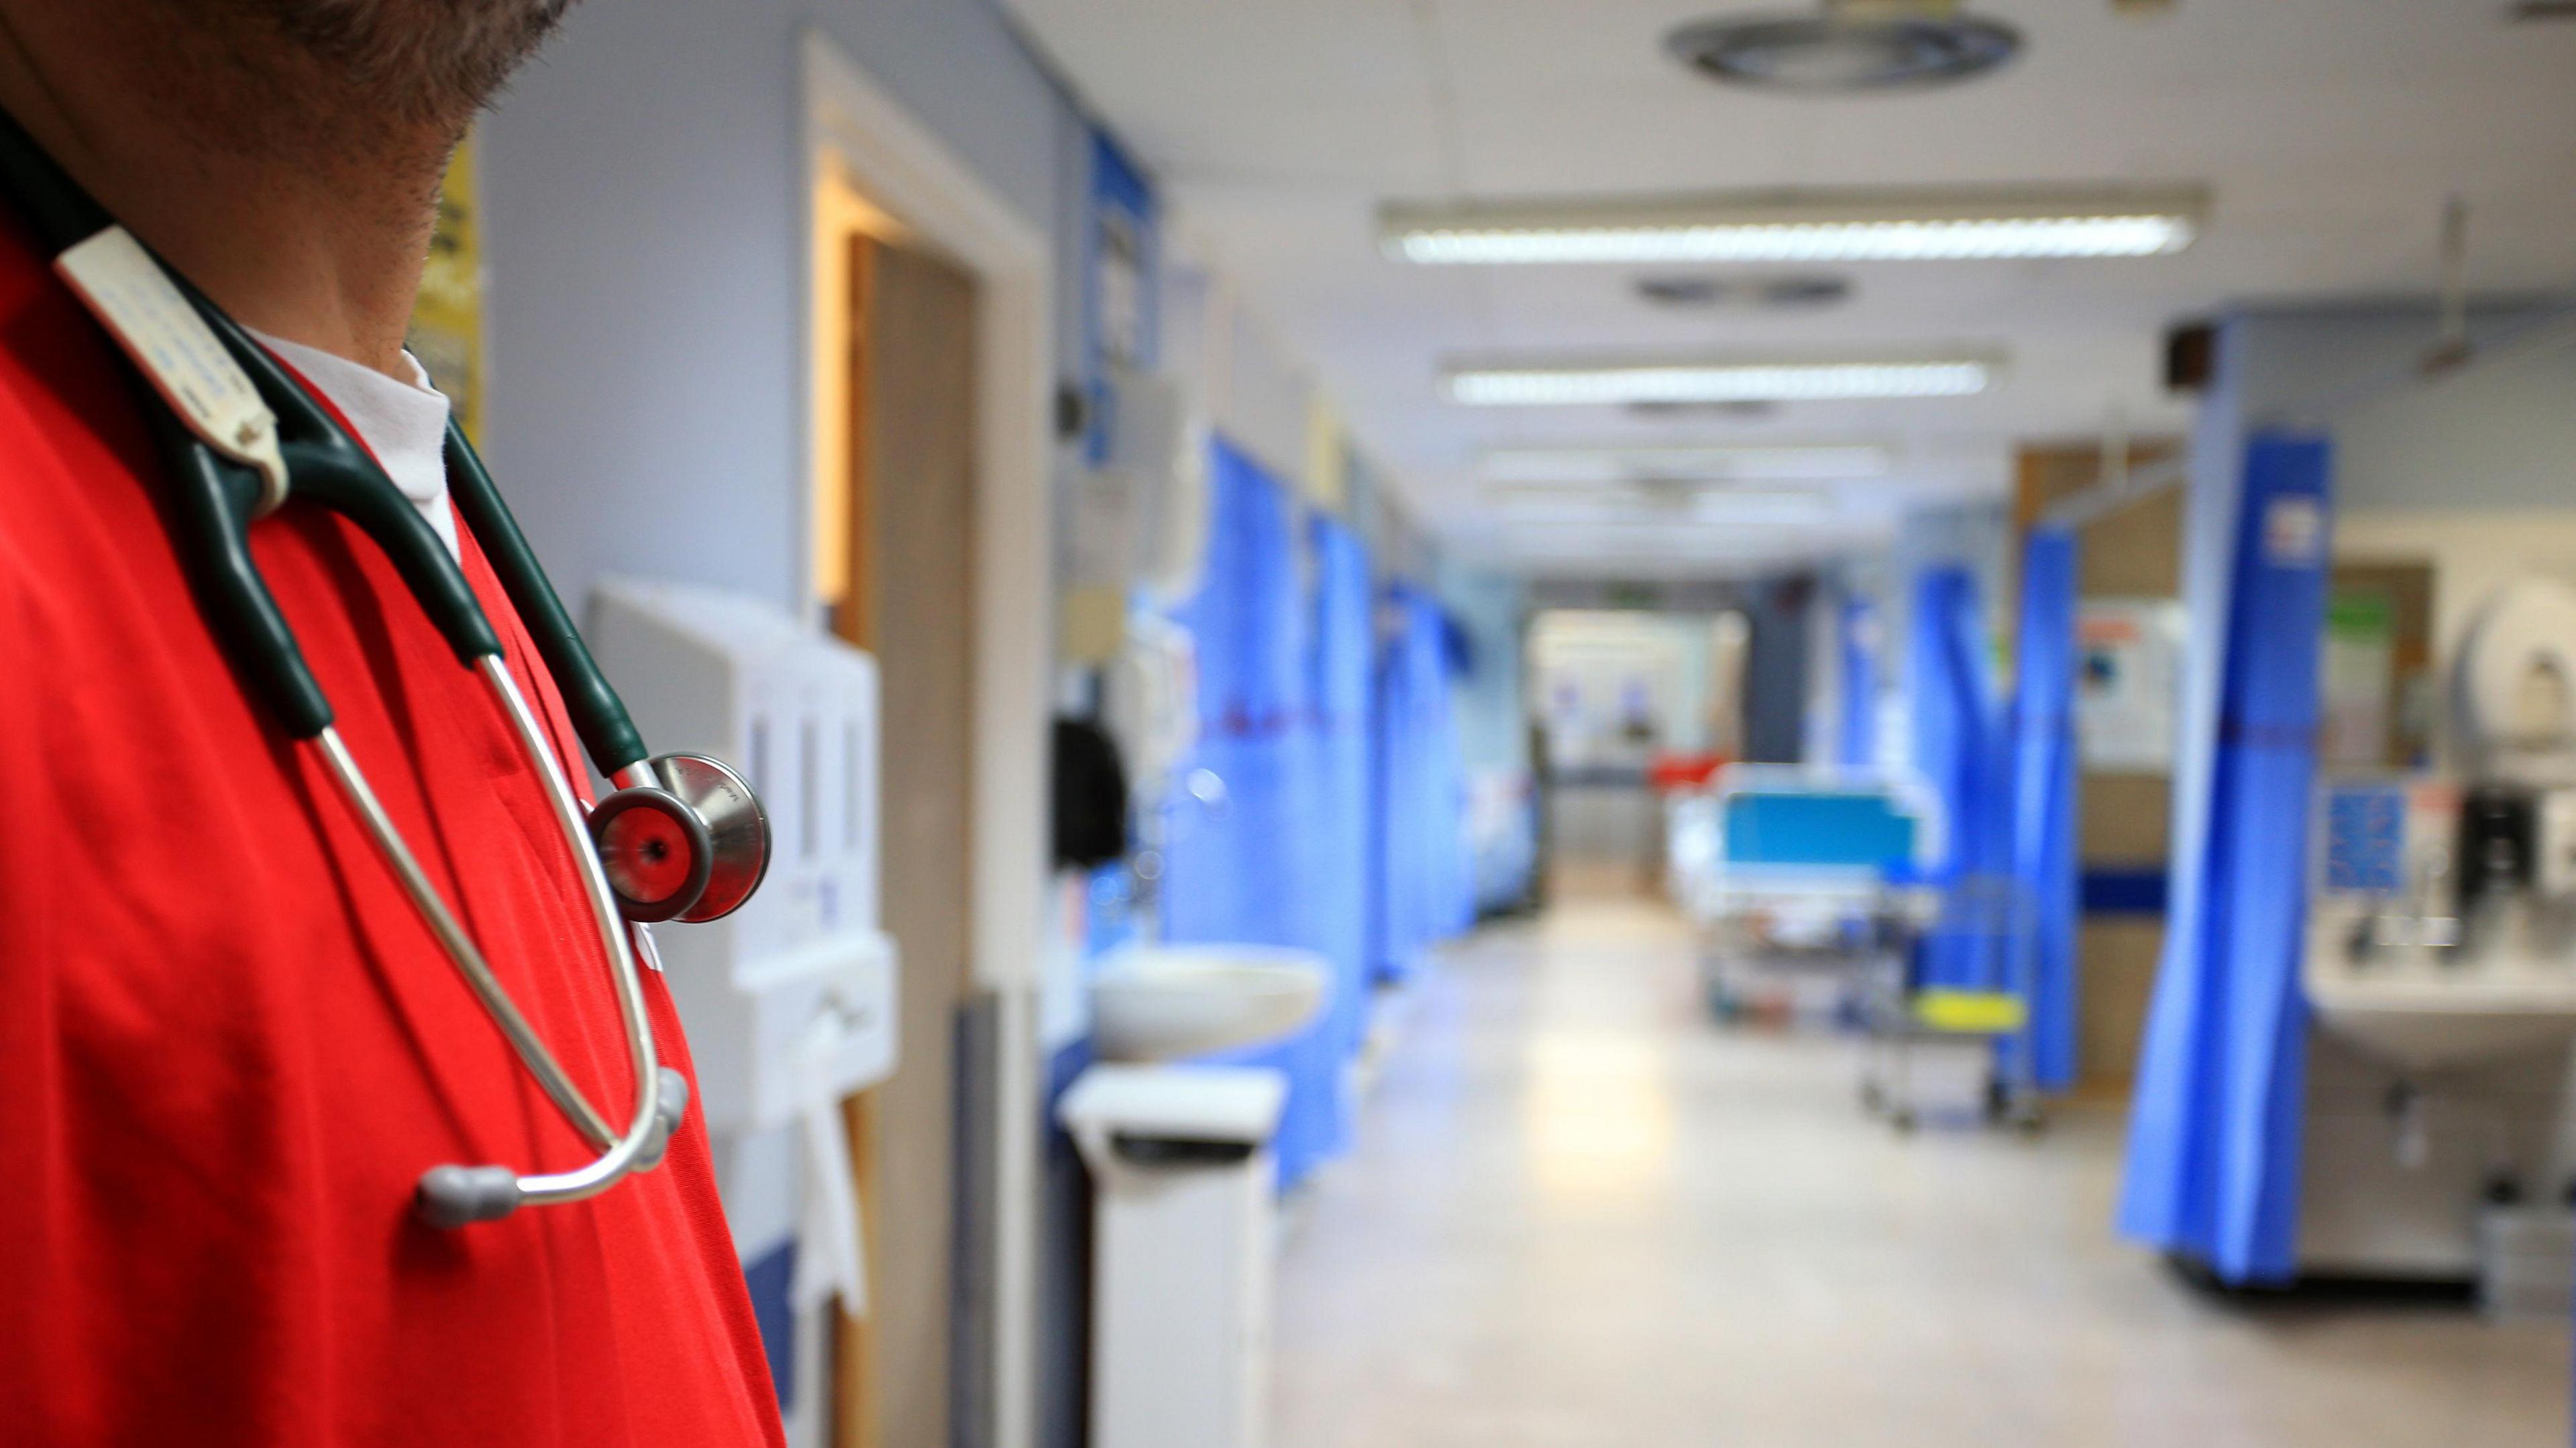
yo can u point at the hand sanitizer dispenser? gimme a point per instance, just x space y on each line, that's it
790 1002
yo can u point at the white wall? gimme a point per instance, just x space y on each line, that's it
2473 472
1603 656
2472 553
2482 441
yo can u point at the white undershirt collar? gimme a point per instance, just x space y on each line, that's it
403 423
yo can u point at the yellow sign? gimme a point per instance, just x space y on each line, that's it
447 320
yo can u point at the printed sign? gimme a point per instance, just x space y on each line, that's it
2294 532
2128 655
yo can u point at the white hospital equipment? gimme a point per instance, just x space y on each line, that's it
1157 436
1150 702
2441 972
1143 497
1183 1180
1181 1250
790 1004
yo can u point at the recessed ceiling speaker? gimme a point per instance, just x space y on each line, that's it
1848 46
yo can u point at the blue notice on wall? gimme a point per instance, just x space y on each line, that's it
2365 844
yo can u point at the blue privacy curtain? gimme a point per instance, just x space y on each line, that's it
2044 785
1246 870
1344 659
1961 751
2214 1135
1857 748
1423 890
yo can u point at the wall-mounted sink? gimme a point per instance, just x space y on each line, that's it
2418 1014
1167 1003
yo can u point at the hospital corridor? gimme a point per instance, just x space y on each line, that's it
1288 723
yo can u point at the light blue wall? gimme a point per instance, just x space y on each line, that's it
1977 536
2500 434
1493 730
643 220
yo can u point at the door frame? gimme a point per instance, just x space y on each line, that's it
852 124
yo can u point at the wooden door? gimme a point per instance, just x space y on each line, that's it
2122 824
910 603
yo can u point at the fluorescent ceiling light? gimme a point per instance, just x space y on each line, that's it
1823 227
1787 462
1612 384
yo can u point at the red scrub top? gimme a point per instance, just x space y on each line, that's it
228 1047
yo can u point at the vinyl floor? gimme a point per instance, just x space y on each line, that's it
1581 1216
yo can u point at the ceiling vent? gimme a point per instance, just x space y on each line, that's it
1768 294
1849 46
2535 10
1744 411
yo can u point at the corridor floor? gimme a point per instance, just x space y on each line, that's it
1580 1215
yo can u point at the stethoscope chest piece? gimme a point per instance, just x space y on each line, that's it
691 846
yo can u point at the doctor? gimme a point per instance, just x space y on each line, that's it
228 1045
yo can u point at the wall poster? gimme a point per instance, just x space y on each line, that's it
447 319
2128 655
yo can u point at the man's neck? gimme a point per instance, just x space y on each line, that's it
320 241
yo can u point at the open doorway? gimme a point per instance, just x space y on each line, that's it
930 370
1625 703
895 571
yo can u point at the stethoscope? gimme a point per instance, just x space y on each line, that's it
682 837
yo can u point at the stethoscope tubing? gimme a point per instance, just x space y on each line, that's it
331 470
615 942
214 503
461 951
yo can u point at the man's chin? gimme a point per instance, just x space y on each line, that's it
424 60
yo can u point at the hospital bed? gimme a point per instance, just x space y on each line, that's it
1796 877
1814 895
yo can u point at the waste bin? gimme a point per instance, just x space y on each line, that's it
1181 1258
